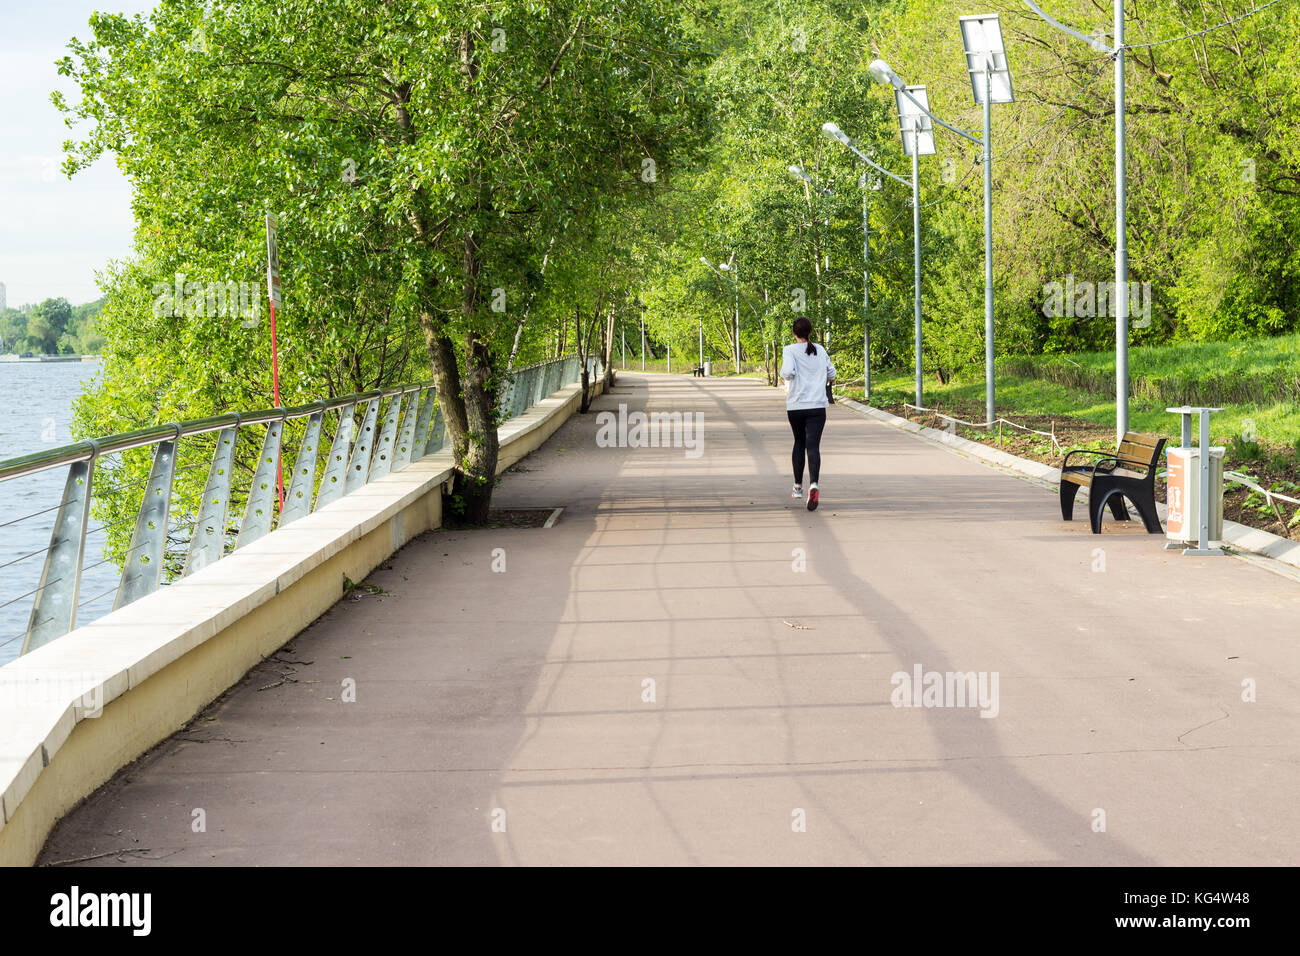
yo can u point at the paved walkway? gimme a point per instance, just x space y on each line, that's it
523 693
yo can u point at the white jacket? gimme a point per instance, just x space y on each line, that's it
807 375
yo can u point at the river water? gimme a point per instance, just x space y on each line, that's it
37 415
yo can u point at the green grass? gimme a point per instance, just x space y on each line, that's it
1260 373
1256 382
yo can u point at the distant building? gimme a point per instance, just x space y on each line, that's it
3 301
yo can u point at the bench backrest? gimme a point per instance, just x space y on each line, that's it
1140 450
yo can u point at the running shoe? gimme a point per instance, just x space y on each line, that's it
813 494
798 492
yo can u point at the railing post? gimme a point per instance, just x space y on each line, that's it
383 461
521 391
437 433
260 508
359 468
208 540
298 502
142 567
508 396
54 612
539 382
520 394
406 434
331 484
421 436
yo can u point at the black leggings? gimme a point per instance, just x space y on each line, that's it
807 425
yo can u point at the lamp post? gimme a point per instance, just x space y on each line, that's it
832 131
729 267
914 123
916 252
982 37
990 79
1120 296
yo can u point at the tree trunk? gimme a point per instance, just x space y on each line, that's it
585 404
607 348
446 379
477 476
472 487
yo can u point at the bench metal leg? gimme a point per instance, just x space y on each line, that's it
1147 509
1097 502
1069 492
1118 508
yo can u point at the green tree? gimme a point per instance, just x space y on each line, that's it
47 324
13 330
419 156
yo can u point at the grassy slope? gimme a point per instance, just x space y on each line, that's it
1165 375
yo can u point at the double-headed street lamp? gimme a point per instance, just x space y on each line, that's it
914 124
730 268
1120 296
986 62
832 131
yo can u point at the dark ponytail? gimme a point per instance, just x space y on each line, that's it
803 330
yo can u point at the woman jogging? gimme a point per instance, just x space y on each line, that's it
808 369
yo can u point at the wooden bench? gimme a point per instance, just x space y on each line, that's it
1129 473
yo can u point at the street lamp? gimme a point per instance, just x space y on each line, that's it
990 80
706 262
1120 296
729 267
832 131
914 118
986 55
798 173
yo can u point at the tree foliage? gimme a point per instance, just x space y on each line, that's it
462 187
418 156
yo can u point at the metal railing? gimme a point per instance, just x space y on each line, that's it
412 427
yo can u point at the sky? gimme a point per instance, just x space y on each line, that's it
55 233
